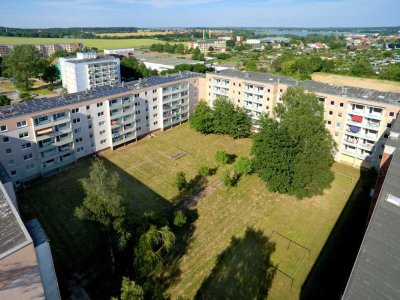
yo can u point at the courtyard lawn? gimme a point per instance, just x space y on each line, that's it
260 223
97 43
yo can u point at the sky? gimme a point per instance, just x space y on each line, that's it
192 13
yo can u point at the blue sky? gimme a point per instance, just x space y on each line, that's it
165 13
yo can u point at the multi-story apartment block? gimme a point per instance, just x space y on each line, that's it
45 49
41 136
358 119
204 45
88 71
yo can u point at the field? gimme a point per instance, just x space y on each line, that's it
376 84
97 43
150 33
245 240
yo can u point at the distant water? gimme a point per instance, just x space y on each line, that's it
296 32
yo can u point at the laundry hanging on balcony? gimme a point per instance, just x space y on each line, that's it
356 118
355 129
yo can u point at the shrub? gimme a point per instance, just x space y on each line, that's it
228 180
243 166
222 157
179 218
180 181
204 171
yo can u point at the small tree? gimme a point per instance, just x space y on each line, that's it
202 118
227 179
204 171
4 100
210 49
179 218
50 74
180 181
130 290
222 157
243 166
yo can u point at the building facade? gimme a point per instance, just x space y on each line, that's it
41 136
204 45
359 120
45 49
88 71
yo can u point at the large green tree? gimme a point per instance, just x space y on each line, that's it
4 100
50 74
130 290
104 201
294 155
24 63
202 118
132 68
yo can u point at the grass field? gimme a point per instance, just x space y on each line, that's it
98 43
237 235
376 84
150 33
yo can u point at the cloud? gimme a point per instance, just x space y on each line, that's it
168 3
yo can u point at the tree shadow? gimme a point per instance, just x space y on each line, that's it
231 158
242 271
191 195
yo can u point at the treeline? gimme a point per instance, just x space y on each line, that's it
198 68
133 69
168 48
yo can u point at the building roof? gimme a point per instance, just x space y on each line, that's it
171 61
94 59
376 271
316 86
13 234
42 104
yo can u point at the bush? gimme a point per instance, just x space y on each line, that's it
180 181
222 157
243 166
228 180
179 218
204 171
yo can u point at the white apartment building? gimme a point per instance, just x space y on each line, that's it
88 71
39 137
204 45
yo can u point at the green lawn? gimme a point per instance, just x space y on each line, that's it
98 43
232 248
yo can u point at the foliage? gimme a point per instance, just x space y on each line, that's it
50 74
4 100
243 166
153 244
362 68
24 63
198 68
230 44
222 157
179 218
294 155
104 200
197 55
228 180
133 69
222 55
250 65
130 290
391 73
204 171
180 181
202 118
168 48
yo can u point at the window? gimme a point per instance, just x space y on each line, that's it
154 99
21 124
388 125
23 135
28 156
269 90
25 146
385 136
281 90
147 117
3 128
332 102
102 123
8 151
145 93
29 167
102 132
100 114
77 130
155 115
339 115
87 107
391 114
75 110
103 142
78 140
155 107
13 173
137 112
329 122
380 156
341 104
155 123
6 139
154 91
88 117
336 133
77 120
136 95
100 104
330 112
338 125
11 162
80 149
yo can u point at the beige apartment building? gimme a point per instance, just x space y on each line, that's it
358 119
41 136
204 45
45 49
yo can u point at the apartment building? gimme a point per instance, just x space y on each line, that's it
45 49
88 71
204 45
358 119
41 136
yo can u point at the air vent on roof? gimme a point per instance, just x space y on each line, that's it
393 199
381 97
246 75
365 96
271 79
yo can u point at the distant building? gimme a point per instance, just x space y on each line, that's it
167 63
88 71
45 49
318 46
253 41
226 38
120 52
204 45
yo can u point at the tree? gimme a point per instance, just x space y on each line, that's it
294 155
197 55
392 72
243 166
362 68
131 68
24 63
227 179
50 74
153 244
180 181
130 290
104 201
179 218
4 100
210 49
202 118
230 44
204 171
222 157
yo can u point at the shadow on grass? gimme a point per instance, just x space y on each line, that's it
192 194
242 271
330 273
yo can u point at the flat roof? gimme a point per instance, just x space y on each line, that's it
13 234
42 104
376 271
172 61
316 86
97 58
